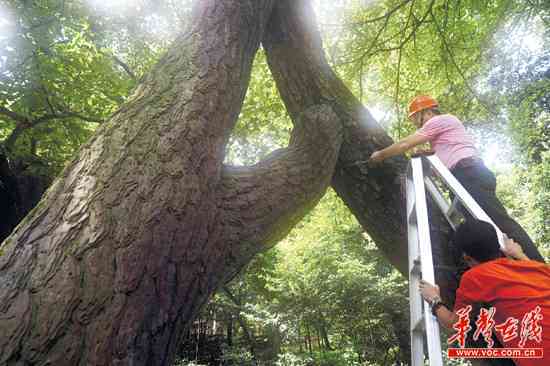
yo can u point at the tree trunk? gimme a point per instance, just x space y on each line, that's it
373 194
248 335
400 325
299 337
308 337
114 263
324 335
318 336
229 336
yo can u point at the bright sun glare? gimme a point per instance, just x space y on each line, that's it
155 24
7 30
116 6
6 22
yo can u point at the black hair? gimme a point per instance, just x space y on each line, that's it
478 239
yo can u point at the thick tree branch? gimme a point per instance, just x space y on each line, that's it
264 201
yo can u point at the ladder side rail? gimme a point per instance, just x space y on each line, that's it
439 200
466 199
412 223
415 299
432 327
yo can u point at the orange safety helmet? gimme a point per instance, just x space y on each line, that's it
421 102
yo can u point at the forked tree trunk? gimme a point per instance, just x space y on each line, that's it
142 227
373 193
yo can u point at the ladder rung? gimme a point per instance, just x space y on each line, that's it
466 200
454 220
419 326
416 267
412 213
451 212
453 208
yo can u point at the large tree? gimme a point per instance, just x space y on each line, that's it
147 222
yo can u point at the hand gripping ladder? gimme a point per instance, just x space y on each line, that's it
420 248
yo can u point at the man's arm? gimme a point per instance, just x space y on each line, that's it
446 317
429 293
513 249
398 148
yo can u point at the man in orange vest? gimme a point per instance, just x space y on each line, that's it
455 147
518 291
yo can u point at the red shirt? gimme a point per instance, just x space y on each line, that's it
514 288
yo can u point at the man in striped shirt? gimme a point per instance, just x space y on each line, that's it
455 148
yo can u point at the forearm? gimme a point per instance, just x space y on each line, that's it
396 149
513 250
521 256
446 317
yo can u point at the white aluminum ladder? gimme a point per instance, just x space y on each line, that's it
420 247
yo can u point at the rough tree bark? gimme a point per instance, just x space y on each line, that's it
141 227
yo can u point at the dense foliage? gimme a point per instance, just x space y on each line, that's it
324 295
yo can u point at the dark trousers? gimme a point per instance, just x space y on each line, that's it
481 183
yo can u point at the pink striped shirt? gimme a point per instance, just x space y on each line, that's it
449 139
